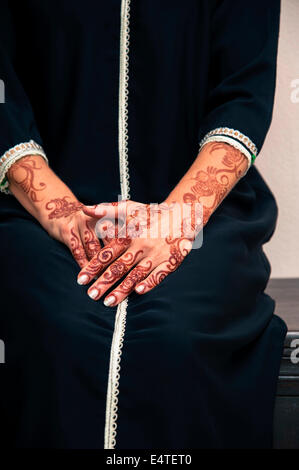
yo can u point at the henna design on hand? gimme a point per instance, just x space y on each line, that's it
115 272
127 286
77 249
106 230
60 207
102 259
120 267
179 249
134 277
91 242
23 173
208 187
140 215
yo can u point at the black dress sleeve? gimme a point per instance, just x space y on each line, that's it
19 135
244 39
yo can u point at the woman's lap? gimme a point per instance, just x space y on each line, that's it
185 343
212 283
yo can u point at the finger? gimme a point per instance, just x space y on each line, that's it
106 230
102 259
140 272
179 249
106 209
75 245
113 273
91 242
153 280
91 211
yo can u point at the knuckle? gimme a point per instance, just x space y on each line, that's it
65 231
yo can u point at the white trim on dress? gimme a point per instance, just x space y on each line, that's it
235 135
121 313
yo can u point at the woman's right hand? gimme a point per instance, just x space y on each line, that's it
54 205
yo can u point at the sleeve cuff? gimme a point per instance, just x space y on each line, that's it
14 154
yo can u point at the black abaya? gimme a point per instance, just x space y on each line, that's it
199 355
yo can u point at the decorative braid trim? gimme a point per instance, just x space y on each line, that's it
14 154
234 143
114 375
123 99
235 135
121 313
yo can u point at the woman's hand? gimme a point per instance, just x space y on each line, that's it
65 221
150 242
53 204
154 240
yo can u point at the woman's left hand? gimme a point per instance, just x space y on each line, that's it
150 242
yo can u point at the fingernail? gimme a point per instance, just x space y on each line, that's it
93 293
109 301
82 279
139 288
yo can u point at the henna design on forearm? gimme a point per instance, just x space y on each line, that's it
213 182
61 207
232 159
22 173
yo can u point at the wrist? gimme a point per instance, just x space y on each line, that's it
188 214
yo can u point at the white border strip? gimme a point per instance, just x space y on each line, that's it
236 135
121 313
113 378
123 99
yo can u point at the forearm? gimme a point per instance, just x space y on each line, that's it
216 170
39 189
